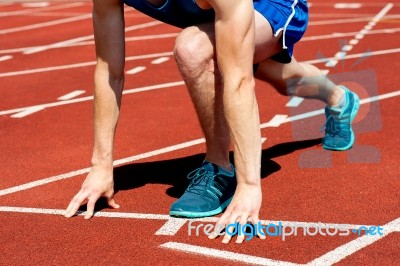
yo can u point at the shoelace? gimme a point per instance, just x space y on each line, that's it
197 177
330 126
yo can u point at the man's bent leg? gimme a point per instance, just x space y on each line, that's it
305 80
194 53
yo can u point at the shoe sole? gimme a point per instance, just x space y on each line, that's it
187 214
354 112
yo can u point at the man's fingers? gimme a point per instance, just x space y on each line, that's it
219 226
75 203
241 229
111 202
90 206
256 221
230 228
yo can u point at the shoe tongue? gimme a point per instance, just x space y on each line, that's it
335 111
208 166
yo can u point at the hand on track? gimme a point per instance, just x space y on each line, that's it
244 207
98 183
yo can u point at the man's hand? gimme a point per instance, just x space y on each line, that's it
245 206
98 183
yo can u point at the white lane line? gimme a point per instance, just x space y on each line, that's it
228 255
171 148
89 98
347 5
35 4
331 62
276 121
353 56
343 21
383 12
85 64
160 60
135 70
6 57
353 42
295 101
150 216
346 48
147 216
86 170
171 227
353 246
27 112
321 111
345 34
71 95
81 41
85 38
45 24
34 10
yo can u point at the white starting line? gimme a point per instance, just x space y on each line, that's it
173 225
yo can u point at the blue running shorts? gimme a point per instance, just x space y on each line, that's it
289 17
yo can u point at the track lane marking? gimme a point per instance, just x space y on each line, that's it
228 255
166 217
89 98
77 65
355 245
45 24
27 112
71 95
85 38
173 148
40 9
92 63
135 70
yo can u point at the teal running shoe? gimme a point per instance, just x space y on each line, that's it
339 135
210 191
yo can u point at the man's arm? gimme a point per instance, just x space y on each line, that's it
235 34
108 22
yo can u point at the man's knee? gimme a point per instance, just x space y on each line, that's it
193 48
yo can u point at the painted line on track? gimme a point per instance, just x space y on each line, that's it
40 9
173 148
135 70
85 64
355 245
228 255
85 38
348 47
344 21
27 112
294 101
90 98
71 95
5 58
166 217
45 24
92 63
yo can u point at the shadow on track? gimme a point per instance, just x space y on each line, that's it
173 172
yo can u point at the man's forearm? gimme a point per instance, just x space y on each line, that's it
242 116
107 103
235 58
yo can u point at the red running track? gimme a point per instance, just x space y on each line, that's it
46 145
